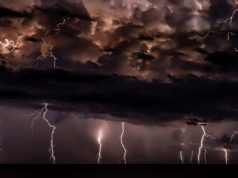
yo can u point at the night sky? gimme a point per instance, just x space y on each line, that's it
157 78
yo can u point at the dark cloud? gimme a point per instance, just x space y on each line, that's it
123 96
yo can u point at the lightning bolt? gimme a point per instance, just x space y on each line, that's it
191 157
205 155
46 52
99 140
44 112
183 129
59 25
230 19
229 34
37 114
207 35
232 136
202 144
181 157
51 149
10 45
121 139
226 155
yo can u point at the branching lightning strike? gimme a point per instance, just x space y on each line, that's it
202 144
230 19
44 112
46 52
51 149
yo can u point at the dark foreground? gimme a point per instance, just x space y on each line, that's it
117 171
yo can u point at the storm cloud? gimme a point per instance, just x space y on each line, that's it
145 39
119 96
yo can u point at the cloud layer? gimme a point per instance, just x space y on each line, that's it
147 39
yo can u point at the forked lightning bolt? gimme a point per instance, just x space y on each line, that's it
37 114
44 112
121 139
51 149
230 19
202 144
99 140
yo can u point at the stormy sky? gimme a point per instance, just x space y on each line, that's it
152 64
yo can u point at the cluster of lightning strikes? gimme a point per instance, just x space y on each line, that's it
228 20
44 112
121 139
47 47
202 147
99 140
